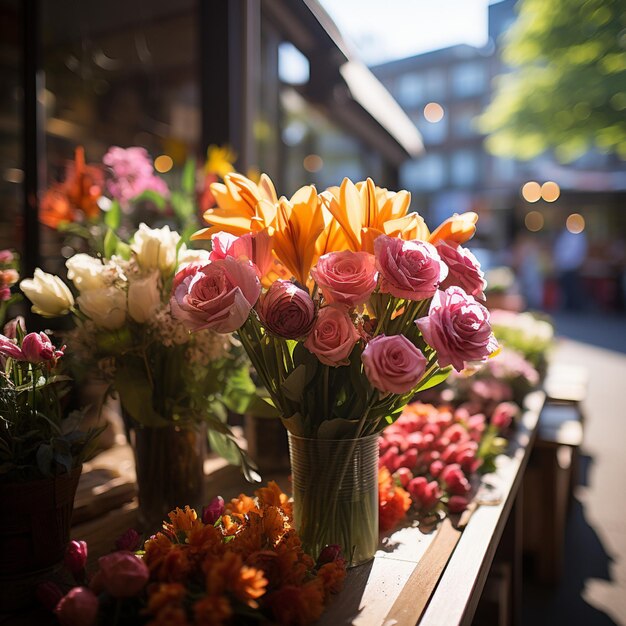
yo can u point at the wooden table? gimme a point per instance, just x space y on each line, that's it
450 596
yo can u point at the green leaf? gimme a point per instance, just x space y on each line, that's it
239 390
149 195
133 386
188 182
111 241
262 407
435 380
113 217
223 445
44 458
293 385
338 429
123 250
182 204
295 424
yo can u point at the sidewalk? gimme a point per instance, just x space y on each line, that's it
593 589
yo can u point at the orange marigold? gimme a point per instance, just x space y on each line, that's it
203 540
175 566
157 548
228 574
165 604
332 576
272 495
212 611
393 501
241 506
182 520
297 606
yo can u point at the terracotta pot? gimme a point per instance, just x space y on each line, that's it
35 529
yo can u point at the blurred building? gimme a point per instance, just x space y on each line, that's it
443 92
273 79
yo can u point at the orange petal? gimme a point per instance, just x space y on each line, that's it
458 228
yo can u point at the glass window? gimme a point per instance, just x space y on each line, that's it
432 132
425 174
504 169
463 124
470 78
464 168
410 90
293 66
435 88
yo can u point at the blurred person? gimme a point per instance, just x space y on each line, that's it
569 254
526 260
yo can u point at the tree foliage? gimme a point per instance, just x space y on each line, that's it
567 86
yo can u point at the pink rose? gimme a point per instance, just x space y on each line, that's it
425 494
409 269
457 504
458 328
255 247
78 608
346 278
454 479
9 348
213 511
38 348
122 574
393 364
286 310
403 475
464 269
6 256
503 414
218 295
130 540
333 337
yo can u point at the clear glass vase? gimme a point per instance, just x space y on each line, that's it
169 463
335 493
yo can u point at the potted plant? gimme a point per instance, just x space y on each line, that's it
41 455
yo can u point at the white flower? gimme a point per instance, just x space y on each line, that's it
155 248
144 297
105 307
186 256
48 293
86 272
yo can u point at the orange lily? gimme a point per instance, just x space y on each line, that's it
365 211
299 222
242 206
458 228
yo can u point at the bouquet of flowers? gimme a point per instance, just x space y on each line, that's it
37 438
239 563
167 380
347 306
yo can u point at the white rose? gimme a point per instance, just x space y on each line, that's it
144 297
105 307
48 293
86 272
155 248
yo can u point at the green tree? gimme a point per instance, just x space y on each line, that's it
566 90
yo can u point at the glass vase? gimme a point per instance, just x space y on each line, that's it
335 493
169 463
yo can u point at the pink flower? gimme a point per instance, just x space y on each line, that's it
213 511
78 608
464 269
458 328
454 478
8 277
122 574
10 328
255 247
409 269
218 295
286 310
329 554
457 504
9 348
503 414
403 475
5 294
346 278
38 348
76 557
425 494
6 256
393 364
129 541
333 337
132 174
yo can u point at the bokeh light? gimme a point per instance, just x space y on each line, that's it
550 191
575 223
433 112
531 191
534 221
163 163
313 163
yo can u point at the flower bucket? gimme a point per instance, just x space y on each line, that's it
34 533
335 492
169 463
